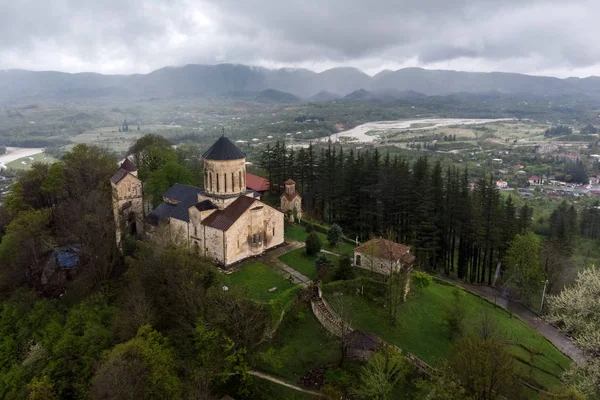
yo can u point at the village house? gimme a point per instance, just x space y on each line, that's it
383 256
535 181
500 184
225 221
594 180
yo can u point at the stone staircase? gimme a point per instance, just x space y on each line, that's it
335 325
328 318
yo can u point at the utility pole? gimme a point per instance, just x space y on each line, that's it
543 295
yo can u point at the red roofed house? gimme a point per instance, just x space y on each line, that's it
383 256
291 202
534 181
257 183
501 184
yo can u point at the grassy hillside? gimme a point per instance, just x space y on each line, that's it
421 330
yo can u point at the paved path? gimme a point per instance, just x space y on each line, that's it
280 382
270 258
550 332
330 252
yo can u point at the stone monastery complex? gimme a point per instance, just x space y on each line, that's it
225 221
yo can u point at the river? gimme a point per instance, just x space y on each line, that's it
359 133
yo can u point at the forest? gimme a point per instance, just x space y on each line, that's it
455 225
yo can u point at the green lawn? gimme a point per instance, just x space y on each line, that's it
298 233
257 279
300 344
421 329
25 162
303 263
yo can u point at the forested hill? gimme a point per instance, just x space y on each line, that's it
229 79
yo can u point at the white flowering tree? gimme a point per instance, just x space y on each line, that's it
577 310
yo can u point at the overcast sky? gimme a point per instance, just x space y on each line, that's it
546 37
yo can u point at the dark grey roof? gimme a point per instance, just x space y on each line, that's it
186 196
120 174
223 149
159 214
183 193
361 341
128 166
205 205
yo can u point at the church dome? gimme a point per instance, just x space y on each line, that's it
224 170
222 150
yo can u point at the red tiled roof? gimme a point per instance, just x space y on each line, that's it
387 249
535 178
223 219
290 182
256 183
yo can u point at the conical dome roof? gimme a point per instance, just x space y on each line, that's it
223 149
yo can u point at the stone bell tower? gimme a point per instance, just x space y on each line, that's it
291 202
127 201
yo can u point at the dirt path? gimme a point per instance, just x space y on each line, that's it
283 383
550 332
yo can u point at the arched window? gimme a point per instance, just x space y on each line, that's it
241 184
217 182
210 181
358 260
225 181
232 183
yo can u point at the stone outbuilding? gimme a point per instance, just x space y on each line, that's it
291 202
383 256
360 345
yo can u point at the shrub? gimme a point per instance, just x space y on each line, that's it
313 244
344 271
420 280
309 227
323 266
334 235
455 315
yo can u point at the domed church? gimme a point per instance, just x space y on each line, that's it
225 221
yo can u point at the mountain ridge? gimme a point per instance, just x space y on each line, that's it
220 79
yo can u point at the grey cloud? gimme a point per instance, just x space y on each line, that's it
139 35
